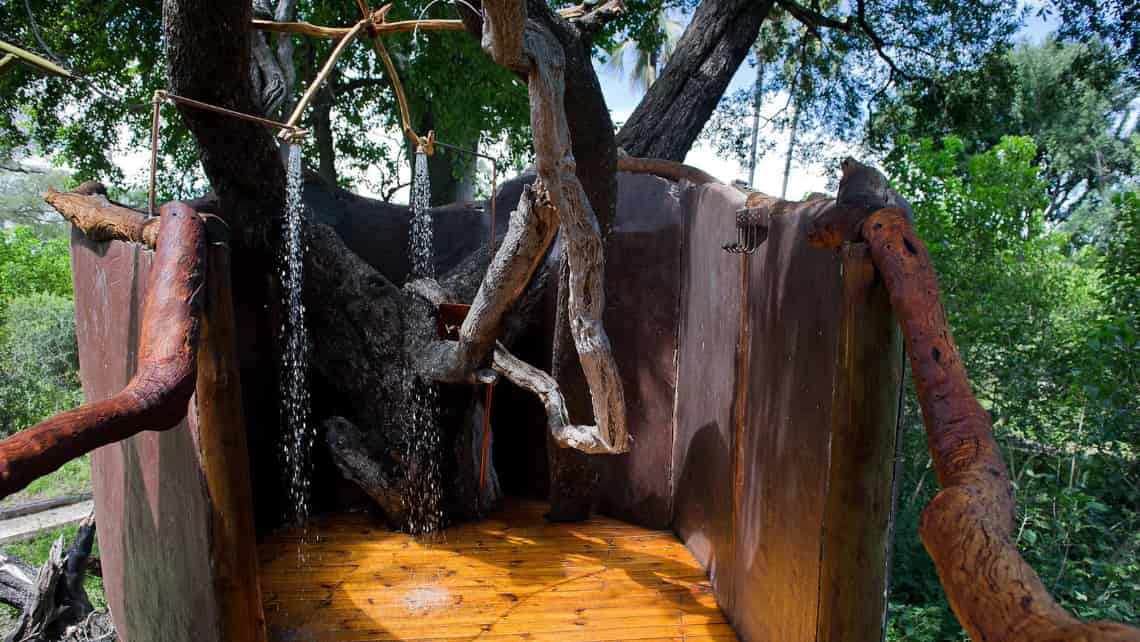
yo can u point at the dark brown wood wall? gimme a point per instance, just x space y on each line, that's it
172 508
787 397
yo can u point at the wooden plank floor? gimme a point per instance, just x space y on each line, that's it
512 576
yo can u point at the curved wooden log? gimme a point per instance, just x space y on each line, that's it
667 169
967 527
587 439
531 231
156 397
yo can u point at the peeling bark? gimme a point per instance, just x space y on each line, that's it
545 62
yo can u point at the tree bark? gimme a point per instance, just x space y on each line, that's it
967 528
157 396
208 57
675 109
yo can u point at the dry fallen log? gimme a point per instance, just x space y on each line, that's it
52 601
967 527
156 397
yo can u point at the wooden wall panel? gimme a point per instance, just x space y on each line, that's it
163 562
784 451
707 383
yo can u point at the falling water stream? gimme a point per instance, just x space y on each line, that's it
423 488
298 437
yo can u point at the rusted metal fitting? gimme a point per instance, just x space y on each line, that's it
751 230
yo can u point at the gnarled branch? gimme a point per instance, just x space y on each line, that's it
515 42
587 439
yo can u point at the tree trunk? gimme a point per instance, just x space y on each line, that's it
208 58
323 133
675 109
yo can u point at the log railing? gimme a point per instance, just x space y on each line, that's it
967 527
156 398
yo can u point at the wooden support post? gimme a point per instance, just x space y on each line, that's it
224 460
864 423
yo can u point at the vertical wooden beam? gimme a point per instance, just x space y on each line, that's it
853 570
224 461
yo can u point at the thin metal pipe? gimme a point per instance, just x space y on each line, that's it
157 101
299 131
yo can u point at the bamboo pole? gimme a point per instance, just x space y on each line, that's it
33 59
295 117
383 28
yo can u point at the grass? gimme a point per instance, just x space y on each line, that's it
73 477
35 552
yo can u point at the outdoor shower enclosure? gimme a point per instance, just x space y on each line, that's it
763 396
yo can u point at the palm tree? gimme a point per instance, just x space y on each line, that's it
646 63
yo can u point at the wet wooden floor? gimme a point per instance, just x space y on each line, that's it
513 576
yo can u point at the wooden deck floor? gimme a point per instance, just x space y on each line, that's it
513 576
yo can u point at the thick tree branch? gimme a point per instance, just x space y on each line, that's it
812 18
666 169
591 17
101 220
587 439
675 109
156 397
532 229
967 527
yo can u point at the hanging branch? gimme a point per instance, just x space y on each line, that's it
156 397
541 58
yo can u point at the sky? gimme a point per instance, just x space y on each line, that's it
622 98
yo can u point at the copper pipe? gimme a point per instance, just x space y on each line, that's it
483 448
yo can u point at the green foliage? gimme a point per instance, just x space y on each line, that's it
452 87
39 364
832 73
30 264
38 354
22 200
1029 315
1073 100
71 478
